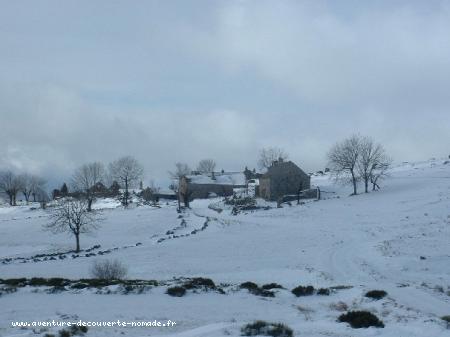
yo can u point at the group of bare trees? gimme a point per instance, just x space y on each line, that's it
74 214
126 171
359 158
31 186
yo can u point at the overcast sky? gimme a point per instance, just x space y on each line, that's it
169 81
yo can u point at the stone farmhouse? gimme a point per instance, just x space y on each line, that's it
283 178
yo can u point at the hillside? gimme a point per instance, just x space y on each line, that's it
396 240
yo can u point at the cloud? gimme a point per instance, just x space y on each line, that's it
171 81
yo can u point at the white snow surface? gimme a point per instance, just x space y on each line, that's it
396 239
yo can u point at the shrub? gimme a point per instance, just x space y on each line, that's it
376 294
64 333
303 291
446 319
56 282
17 282
323 291
37 281
262 328
248 285
176 291
361 319
256 290
269 286
199 283
108 270
78 330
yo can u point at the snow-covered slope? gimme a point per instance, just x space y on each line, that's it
396 239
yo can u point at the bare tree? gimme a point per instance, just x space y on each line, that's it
11 185
127 171
379 171
269 155
25 185
181 170
206 166
343 159
37 187
72 216
86 177
372 158
30 185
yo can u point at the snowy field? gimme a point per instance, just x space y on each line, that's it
396 239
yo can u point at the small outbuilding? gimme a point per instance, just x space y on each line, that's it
201 186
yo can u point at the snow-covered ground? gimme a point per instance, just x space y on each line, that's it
396 239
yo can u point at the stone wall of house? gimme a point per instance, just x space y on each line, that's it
264 188
284 180
202 191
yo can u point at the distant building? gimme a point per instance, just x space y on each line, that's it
281 179
201 186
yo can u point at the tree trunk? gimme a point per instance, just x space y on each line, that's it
14 200
354 183
34 197
126 192
366 185
77 237
89 204
10 199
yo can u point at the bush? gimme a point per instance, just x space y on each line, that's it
361 319
376 294
78 330
64 333
248 285
37 281
269 286
176 291
323 291
256 290
108 270
200 283
17 282
303 291
262 328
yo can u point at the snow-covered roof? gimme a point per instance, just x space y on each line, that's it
227 178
